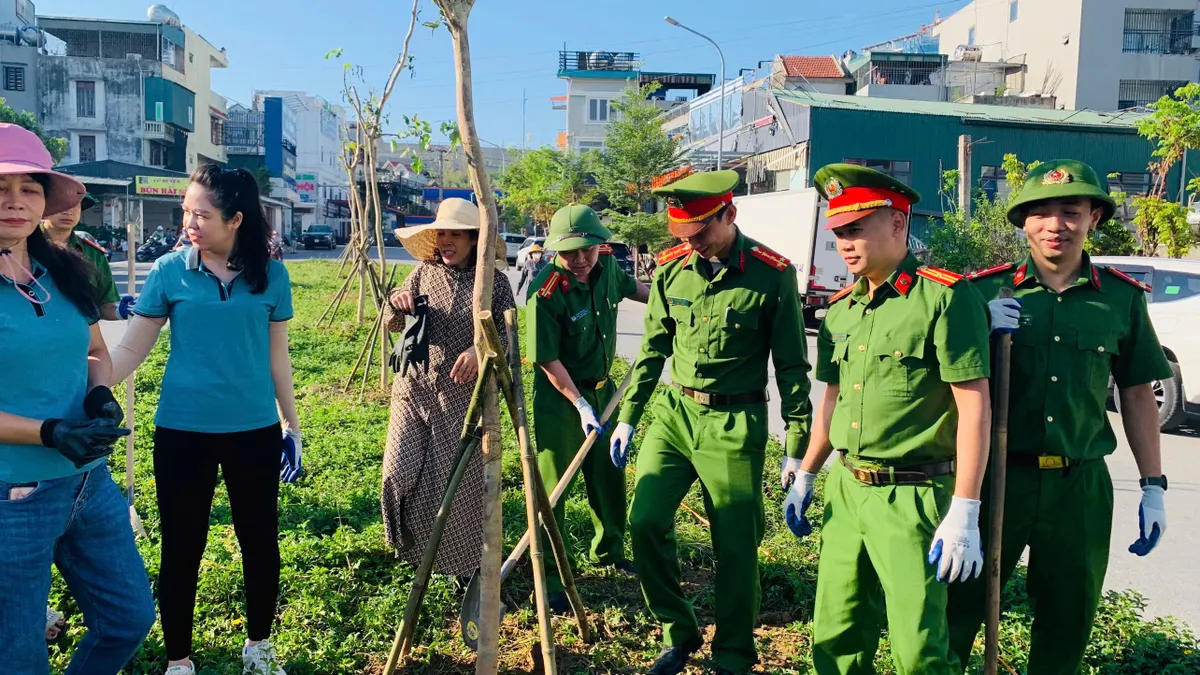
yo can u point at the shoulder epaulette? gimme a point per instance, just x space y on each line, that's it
605 249
990 271
551 284
943 277
1128 279
770 257
89 242
841 294
673 254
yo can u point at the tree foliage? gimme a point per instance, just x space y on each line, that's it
56 146
1174 125
544 180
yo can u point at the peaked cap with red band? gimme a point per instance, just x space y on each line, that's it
855 191
695 199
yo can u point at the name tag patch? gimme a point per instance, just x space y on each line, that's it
579 315
678 302
839 337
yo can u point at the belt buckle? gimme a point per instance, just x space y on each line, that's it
702 397
867 476
1051 462
600 384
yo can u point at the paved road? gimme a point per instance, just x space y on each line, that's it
1166 577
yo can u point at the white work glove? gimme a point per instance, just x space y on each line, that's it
290 465
1152 520
587 417
1005 315
795 506
957 549
789 469
618 450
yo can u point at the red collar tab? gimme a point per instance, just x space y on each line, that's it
552 283
673 254
1126 278
605 249
941 276
904 283
1096 277
866 198
770 257
990 271
1019 277
698 209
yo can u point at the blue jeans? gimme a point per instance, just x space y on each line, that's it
80 524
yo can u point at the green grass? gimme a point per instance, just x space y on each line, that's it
343 591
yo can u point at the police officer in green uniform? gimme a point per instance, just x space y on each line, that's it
904 355
61 229
721 305
572 327
1074 324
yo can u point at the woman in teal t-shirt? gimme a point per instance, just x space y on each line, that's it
228 304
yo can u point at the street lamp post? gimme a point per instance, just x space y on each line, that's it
721 115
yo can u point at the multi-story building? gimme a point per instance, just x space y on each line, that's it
131 91
18 56
1089 54
263 137
596 79
320 135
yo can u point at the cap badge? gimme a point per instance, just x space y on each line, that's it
1057 177
833 188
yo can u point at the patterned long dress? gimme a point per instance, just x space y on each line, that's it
427 412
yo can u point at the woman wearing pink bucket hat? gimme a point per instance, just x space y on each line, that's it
58 502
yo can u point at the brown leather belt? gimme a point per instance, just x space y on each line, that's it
1044 461
588 384
908 475
710 399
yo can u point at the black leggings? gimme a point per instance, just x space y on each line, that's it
185 474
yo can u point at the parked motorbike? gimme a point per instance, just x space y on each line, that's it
152 250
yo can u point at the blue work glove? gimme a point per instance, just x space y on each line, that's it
1005 315
126 307
957 549
1152 520
799 497
289 464
587 417
618 450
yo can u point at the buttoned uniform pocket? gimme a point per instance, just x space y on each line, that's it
684 323
581 324
1097 349
901 366
739 330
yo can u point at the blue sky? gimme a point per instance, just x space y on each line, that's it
277 44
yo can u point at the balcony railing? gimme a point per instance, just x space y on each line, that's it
1158 31
598 60
159 131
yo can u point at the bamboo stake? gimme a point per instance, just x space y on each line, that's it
546 512
469 439
131 267
999 479
529 474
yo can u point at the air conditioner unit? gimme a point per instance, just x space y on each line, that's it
967 53
134 57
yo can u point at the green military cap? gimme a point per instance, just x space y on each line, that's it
1060 179
855 191
575 227
88 202
694 199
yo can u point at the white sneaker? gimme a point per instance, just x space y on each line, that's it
260 659
189 669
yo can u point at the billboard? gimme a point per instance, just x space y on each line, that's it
306 186
161 186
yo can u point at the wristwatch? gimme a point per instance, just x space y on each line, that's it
1160 481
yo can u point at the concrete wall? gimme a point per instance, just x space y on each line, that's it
199 60
579 91
1081 40
837 87
119 121
22 57
908 92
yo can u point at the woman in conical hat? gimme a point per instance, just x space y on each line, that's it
429 401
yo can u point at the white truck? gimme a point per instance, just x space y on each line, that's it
792 223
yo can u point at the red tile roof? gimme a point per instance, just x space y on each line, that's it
813 67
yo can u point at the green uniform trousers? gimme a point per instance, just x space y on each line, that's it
1065 517
559 436
724 448
874 563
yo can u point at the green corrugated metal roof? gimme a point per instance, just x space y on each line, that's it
997 113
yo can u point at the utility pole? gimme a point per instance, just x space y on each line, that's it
523 100
964 176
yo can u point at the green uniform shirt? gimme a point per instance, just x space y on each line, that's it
895 356
574 322
106 288
720 330
1064 351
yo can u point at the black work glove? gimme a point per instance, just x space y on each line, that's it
413 350
101 404
82 441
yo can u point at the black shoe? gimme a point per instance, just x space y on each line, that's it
673 659
559 604
625 567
